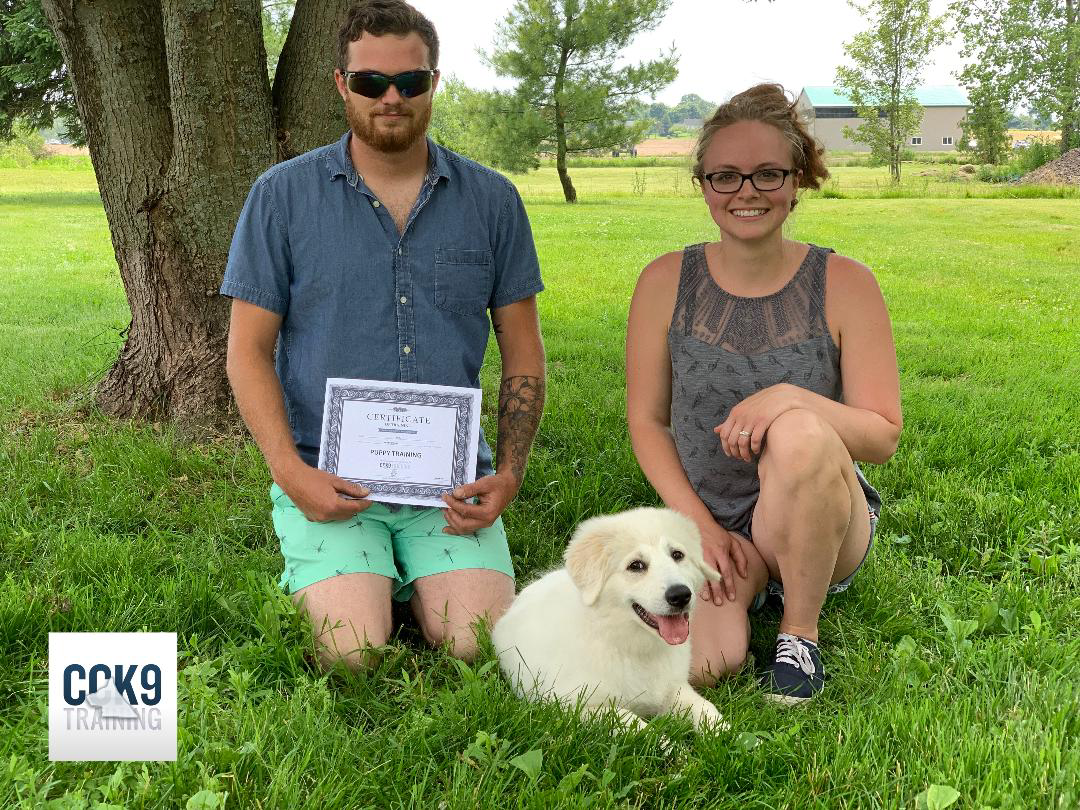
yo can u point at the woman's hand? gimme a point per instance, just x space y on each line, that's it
723 552
743 432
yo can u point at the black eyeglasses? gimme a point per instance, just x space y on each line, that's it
726 181
372 84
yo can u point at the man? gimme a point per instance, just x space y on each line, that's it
378 257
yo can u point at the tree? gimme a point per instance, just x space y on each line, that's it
1031 49
480 124
34 85
985 126
570 96
181 118
888 60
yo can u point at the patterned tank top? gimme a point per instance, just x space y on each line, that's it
723 349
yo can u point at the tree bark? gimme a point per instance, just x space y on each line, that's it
1071 100
569 192
179 121
308 109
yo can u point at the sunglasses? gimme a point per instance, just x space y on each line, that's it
372 84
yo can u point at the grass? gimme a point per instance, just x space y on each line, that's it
954 659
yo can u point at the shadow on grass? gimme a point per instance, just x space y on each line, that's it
55 199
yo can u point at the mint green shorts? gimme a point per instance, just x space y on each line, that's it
404 545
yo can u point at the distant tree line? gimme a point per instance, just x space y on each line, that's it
665 120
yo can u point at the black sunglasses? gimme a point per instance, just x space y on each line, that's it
372 84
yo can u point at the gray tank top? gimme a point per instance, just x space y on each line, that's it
724 348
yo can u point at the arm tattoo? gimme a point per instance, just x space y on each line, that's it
521 403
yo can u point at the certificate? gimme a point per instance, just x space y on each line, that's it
405 442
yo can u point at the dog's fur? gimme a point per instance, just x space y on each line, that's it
576 633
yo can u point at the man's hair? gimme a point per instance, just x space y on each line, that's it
379 17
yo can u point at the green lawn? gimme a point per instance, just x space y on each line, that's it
954 659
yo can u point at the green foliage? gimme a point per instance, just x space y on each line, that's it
34 84
1029 50
24 147
570 96
983 129
276 18
485 126
888 60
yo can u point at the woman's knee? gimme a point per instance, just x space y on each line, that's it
720 661
797 443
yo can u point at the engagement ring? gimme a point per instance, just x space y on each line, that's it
744 432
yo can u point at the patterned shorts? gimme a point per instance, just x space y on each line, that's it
402 544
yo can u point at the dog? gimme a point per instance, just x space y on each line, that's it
613 626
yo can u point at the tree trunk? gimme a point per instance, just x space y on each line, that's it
308 107
569 192
1071 97
177 107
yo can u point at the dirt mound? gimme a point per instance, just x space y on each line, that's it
1063 171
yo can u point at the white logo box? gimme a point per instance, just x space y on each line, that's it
112 696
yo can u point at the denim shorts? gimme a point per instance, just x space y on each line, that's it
402 544
777 588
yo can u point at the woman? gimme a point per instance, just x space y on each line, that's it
759 369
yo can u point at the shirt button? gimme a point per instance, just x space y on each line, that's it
404 299
406 350
375 203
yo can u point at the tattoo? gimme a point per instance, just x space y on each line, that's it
521 404
496 325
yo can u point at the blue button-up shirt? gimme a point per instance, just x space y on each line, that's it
358 299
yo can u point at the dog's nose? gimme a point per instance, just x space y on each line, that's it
678 596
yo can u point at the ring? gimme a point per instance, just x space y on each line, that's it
744 432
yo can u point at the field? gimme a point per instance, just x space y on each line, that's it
918 180
954 660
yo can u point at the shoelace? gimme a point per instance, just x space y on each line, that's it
790 651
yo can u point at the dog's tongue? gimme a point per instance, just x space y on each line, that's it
673 629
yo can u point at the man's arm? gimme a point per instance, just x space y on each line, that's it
253 332
521 403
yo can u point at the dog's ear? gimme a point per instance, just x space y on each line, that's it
588 557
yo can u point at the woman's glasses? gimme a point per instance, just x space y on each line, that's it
725 182
372 84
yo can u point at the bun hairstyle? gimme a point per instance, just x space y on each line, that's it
769 104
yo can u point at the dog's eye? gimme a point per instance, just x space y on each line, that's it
637 565
676 555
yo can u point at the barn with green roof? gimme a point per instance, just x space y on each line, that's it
826 110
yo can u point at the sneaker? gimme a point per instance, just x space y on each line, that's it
794 672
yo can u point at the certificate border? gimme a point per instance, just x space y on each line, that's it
462 403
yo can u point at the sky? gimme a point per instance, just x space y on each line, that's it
805 43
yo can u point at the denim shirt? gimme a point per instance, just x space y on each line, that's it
358 299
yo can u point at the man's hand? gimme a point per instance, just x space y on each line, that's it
723 552
318 494
493 493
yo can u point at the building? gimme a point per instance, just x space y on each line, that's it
827 111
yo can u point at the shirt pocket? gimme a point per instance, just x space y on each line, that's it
463 279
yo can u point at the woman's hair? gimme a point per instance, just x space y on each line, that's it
380 17
769 104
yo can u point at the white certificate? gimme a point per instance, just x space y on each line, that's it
407 443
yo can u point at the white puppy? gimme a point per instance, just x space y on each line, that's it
612 626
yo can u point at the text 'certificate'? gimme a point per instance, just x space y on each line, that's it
405 442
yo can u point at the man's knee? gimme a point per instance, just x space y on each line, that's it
351 642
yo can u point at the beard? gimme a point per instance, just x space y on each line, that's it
369 128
